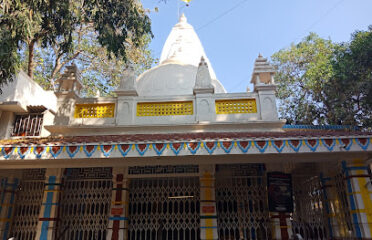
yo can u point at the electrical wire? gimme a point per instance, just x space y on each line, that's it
221 15
321 18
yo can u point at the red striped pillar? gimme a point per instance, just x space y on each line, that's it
118 216
281 226
46 227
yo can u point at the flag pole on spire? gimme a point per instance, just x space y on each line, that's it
179 8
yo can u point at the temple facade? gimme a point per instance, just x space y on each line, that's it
175 157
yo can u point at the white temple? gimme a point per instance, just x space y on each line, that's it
174 156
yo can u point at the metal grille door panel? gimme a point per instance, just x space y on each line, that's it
164 209
309 216
28 202
241 202
85 203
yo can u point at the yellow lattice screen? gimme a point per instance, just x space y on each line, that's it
105 110
164 108
236 106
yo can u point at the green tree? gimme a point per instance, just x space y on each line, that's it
303 71
100 71
26 23
349 91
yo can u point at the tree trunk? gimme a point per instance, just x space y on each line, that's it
30 67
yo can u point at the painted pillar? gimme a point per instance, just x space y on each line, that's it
9 186
208 214
119 212
359 189
335 207
281 225
48 216
329 199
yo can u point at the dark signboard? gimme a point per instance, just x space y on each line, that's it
279 191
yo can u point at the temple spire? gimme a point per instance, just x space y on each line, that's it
203 82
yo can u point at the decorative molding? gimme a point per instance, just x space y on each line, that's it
186 148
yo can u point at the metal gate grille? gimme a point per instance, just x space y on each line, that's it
85 203
28 202
340 207
309 216
242 209
164 208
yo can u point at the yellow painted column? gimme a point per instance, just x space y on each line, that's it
48 216
8 189
337 215
359 189
208 214
119 212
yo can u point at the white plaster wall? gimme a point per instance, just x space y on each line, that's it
266 95
204 110
204 114
27 92
6 123
48 119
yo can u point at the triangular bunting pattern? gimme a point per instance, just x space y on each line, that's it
193 146
295 144
261 145
227 146
159 147
244 145
55 150
363 143
7 151
72 150
278 145
329 143
346 142
39 151
312 144
210 146
23 151
176 147
89 149
106 150
142 148
124 149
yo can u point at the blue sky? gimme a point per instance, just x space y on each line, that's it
234 32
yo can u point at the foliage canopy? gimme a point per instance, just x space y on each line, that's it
119 25
322 82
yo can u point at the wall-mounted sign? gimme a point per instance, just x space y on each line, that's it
117 211
208 209
279 191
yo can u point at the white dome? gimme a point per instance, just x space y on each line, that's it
179 62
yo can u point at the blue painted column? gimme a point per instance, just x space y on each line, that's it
9 186
48 215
